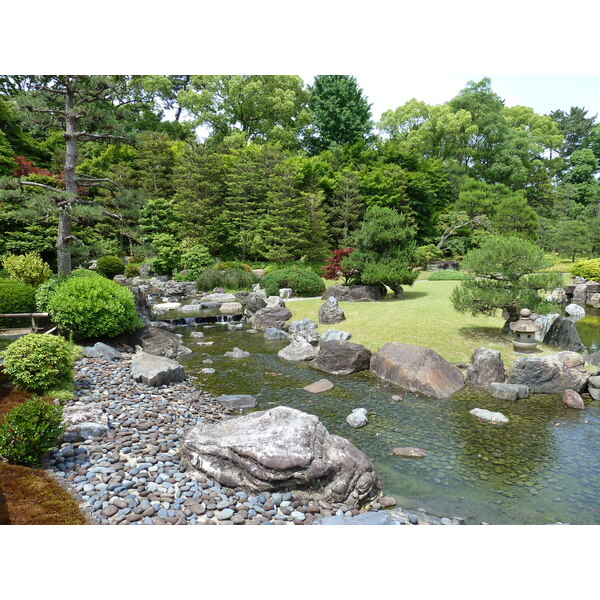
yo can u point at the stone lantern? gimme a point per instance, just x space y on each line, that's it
525 330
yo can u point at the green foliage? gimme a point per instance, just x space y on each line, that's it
385 251
448 275
29 268
233 264
590 269
195 259
304 282
427 253
38 362
92 307
506 276
44 293
30 430
15 297
86 273
131 270
229 279
168 253
109 266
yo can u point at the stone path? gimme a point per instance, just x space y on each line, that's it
133 476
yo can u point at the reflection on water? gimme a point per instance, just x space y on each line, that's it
589 329
542 467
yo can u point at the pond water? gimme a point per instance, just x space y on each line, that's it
589 329
542 467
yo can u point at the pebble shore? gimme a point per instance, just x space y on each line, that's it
133 475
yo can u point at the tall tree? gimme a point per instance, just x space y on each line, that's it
342 114
575 126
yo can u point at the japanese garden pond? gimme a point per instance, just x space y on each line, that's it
541 467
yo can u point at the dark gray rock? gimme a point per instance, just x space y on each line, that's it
100 350
551 374
276 334
353 293
417 369
486 367
330 312
255 301
153 340
564 335
281 449
270 317
341 358
594 387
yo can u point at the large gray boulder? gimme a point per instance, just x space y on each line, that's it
330 312
100 350
281 449
353 293
341 358
84 422
271 333
154 340
298 350
270 317
155 370
180 288
575 312
486 367
508 391
255 301
543 323
551 374
594 387
564 335
417 369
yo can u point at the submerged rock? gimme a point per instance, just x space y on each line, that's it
417 369
508 391
551 374
357 418
237 400
323 385
487 415
409 451
236 353
281 449
486 367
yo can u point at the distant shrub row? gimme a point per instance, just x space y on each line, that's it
303 282
448 275
590 269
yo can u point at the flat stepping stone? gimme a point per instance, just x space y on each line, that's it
409 451
487 415
323 385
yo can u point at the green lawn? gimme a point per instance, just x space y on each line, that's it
424 317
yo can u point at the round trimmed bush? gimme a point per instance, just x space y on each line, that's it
92 307
109 266
39 362
304 282
590 269
16 297
84 273
30 430
448 275
195 259
28 268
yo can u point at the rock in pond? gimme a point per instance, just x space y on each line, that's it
366 518
100 350
155 370
298 350
330 312
551 374
276 334
409 451
323 385
508 391
231 308
487 415
573 400
486 367
281 449
564 335
221 298
594 387
197 334
236 353
575 312
417 369
301 325
341 358
237 400
270 317
357 418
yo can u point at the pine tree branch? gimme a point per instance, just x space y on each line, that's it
101 136
41 185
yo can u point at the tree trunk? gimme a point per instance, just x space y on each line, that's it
63 241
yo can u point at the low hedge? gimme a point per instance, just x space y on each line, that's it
16 297
304 282
590 269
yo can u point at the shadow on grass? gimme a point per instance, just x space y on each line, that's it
410 295
484 334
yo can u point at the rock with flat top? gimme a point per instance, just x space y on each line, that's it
341 358
155 370
236 401
323 385
298 350
231 308
487 415
100 350
270 317
335 335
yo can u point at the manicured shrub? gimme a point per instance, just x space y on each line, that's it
233 264
16 297
590 269
448 275
109 266
93 307
38 362
30 430
45 291
304 282
131 270
195 259
230 279
28 268
84 273
427 253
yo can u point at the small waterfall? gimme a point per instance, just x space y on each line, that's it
204 320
